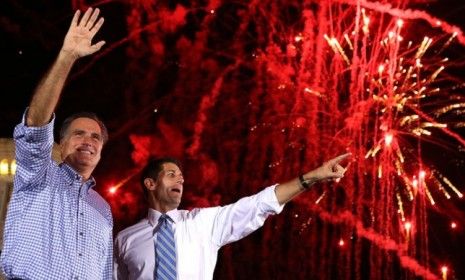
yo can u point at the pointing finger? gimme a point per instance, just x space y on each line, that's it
340 158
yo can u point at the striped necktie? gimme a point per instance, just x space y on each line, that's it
165 250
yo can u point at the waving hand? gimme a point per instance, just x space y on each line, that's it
78 40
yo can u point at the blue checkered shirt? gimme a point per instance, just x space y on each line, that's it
57 227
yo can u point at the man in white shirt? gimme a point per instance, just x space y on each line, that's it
201 232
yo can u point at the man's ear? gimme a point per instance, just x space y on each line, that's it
150 184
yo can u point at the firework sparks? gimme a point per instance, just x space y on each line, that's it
303 80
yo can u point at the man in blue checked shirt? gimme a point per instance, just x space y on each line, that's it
57 226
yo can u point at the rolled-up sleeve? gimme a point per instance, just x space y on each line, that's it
33 149
237 220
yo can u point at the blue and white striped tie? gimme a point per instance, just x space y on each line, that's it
165 250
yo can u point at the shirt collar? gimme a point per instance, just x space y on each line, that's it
72 175
153 216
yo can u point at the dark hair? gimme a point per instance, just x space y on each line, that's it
153 169
67 122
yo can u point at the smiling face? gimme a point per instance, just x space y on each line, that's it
167 189
81 146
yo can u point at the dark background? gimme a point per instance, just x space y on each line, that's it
31 33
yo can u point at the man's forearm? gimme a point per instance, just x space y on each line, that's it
330 170
286 191
47 93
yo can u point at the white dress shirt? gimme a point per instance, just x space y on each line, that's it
199 234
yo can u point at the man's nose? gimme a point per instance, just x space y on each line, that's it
87 140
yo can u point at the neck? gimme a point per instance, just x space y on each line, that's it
84 171
160 207
85 175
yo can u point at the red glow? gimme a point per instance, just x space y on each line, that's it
261 92
250 93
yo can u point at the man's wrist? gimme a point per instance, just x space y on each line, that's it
304 183
67 56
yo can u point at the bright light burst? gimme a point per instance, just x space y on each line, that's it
398 93
400 101
404 92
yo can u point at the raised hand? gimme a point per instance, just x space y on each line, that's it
77 43
78 40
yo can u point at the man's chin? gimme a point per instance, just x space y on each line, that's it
176 203
82 162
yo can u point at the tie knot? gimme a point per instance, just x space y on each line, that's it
164 219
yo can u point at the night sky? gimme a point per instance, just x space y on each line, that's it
216 84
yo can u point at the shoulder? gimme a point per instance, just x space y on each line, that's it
199 213
101 205
138 228
97 198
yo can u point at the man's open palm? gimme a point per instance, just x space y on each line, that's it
78 40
